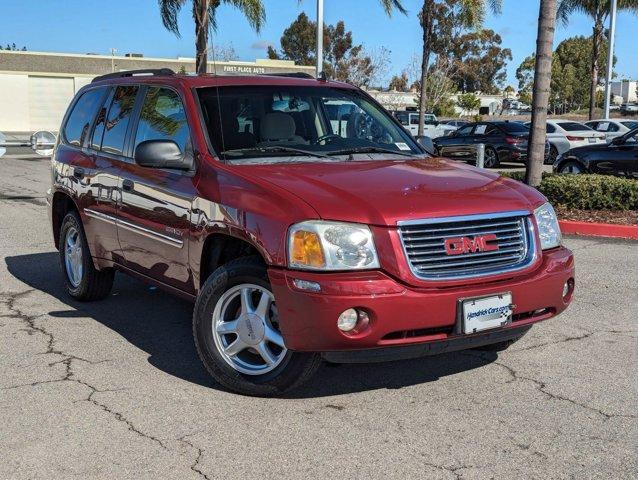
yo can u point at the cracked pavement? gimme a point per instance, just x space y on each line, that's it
114 389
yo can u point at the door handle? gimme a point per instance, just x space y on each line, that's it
128 185
78 172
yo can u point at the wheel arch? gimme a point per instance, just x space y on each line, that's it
61 204
220 248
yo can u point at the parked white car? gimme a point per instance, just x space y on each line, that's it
432 128
564 135
612 128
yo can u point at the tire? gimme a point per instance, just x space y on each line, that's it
491 158
222 319
571 168
83 282
553 155
501 346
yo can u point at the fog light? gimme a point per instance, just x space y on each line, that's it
348 320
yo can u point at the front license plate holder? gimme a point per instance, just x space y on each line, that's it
485 313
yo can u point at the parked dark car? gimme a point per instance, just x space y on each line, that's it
619 157
504 142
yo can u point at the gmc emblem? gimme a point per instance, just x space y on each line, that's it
461 245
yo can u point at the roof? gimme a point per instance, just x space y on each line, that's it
211 80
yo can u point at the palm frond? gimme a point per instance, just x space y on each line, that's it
253 10
390 5
169 10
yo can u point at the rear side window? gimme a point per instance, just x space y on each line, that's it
163 118
79 123
117 121
551 128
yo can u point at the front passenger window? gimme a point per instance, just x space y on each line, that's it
163 118
117 122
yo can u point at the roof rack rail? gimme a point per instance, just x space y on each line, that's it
291 75
131 73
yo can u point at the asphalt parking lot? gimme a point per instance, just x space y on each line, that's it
114 389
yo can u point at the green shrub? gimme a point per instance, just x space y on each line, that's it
587 192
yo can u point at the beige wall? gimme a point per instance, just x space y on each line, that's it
14 103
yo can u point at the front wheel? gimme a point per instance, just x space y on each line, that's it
571 168
237 335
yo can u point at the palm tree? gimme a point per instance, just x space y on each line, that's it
472 14
598 10
540 95
204 15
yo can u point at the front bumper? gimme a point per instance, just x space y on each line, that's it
403 315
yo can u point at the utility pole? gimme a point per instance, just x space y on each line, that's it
610 56
113 50
319 37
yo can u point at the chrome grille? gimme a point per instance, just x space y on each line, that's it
424 245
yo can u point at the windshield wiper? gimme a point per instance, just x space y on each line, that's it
275 148
370 149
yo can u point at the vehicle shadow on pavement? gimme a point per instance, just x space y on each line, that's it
160 325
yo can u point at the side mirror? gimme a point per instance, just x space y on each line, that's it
618 141
427 145
162 154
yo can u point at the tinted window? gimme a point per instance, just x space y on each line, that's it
163 118
514 127
117 120
402 117
550 128
79 123
630 125
573 126
465 130
241 120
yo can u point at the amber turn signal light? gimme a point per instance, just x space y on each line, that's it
306 250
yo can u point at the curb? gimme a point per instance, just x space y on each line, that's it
570 227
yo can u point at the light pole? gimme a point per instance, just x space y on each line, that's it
610 56
113 50
319 37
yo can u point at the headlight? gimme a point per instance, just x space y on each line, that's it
320 245
548 228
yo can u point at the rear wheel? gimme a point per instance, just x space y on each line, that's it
236 330
572 168
82 280
491 158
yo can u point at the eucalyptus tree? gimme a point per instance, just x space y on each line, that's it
438 18
598 11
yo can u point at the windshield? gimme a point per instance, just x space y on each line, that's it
282 121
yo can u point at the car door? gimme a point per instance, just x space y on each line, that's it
154 215
620 157
458 145
94 180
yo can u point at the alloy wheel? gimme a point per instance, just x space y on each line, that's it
73 257
245 330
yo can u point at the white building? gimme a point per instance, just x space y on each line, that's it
625 89
37 87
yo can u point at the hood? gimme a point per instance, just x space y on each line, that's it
384 192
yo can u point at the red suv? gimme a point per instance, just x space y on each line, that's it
302 220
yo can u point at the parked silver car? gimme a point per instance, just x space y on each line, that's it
563 135
612 128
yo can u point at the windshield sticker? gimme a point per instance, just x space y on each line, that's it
402 146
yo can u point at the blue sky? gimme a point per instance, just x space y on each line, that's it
82 26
